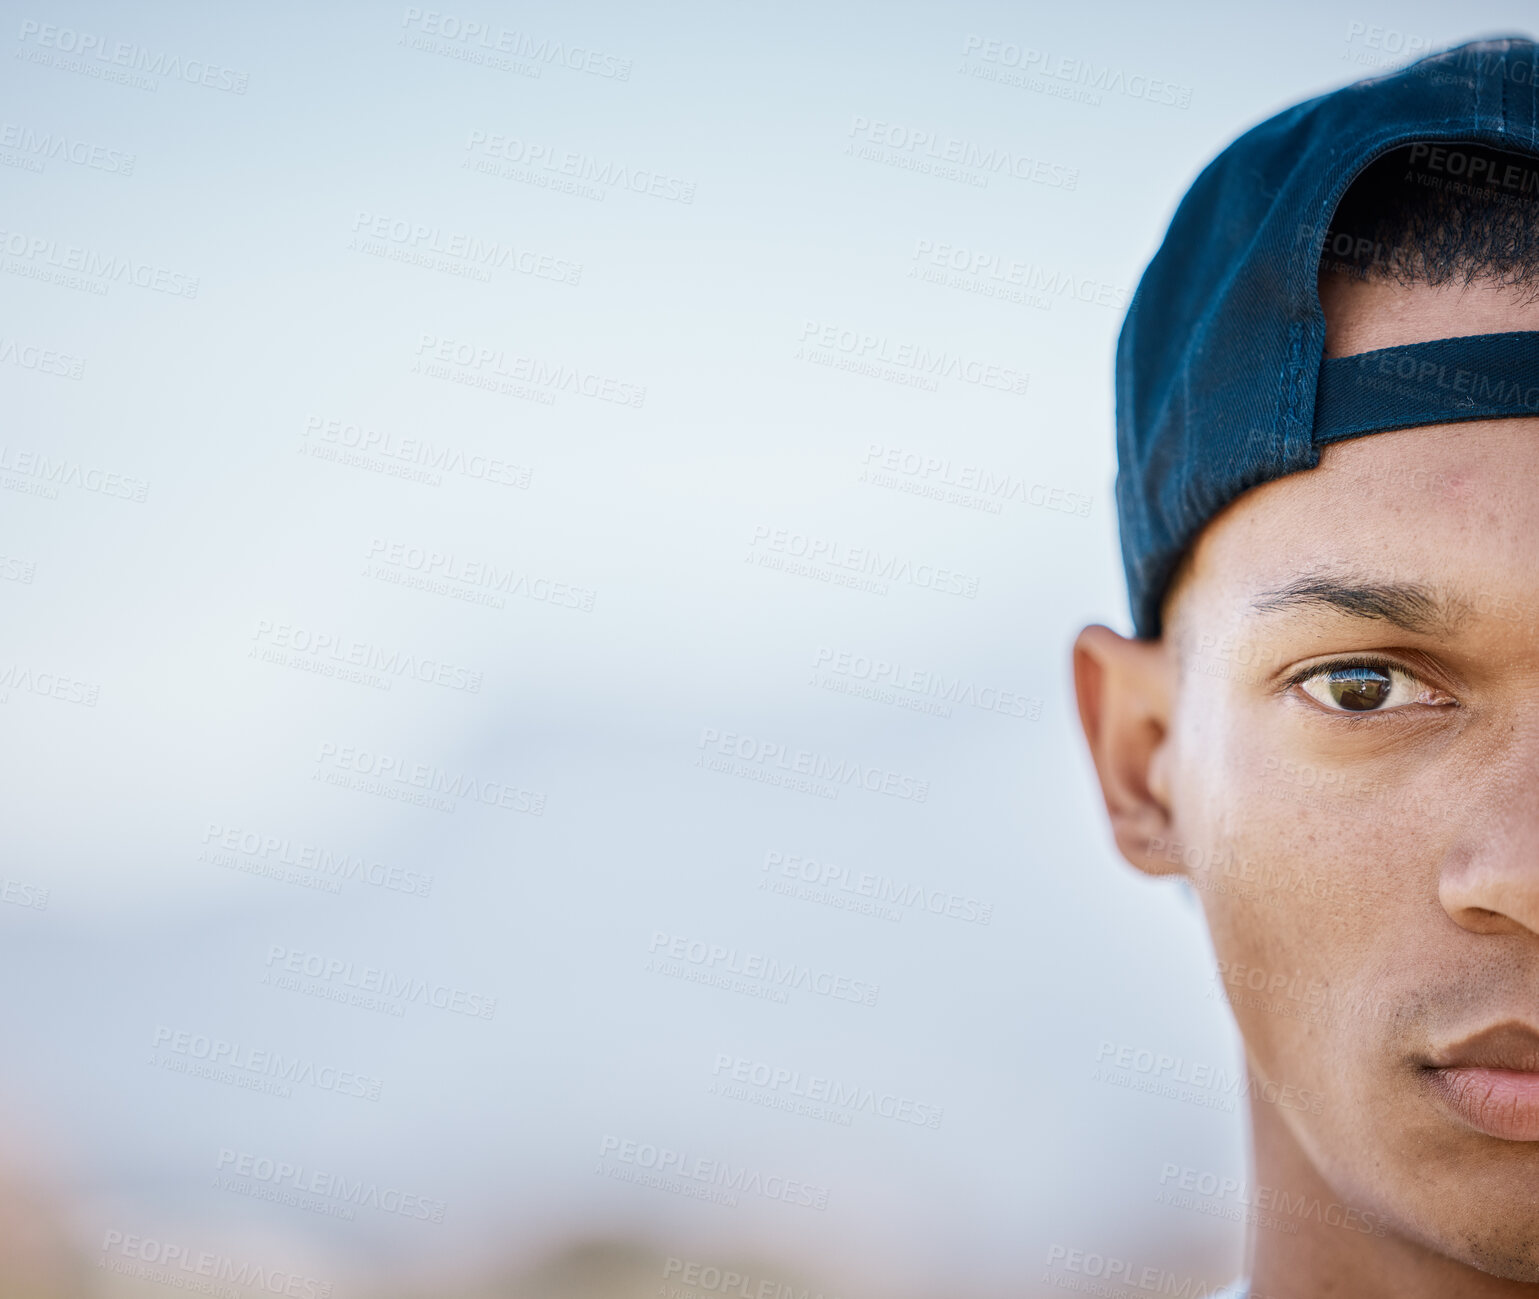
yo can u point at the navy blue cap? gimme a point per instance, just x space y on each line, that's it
1220 380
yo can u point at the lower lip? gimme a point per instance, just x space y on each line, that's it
1502 1103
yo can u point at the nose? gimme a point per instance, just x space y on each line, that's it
1489 883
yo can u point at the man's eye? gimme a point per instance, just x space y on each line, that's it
1362 689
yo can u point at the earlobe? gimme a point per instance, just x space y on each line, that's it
1124 694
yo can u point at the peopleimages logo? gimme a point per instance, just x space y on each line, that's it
1079 72
1407 374
1386 43
402 989
714 1173
931 473
1065 1267
280 1180
476 581
18 894
43 360
397 234
830 880
205 1056
1465 172
1264 1199
47 685
327 647
1143 1069
848 565
826 1091
125 54
493 363
976 268
44 255
712 1280
549 167
773 756
881 350
51 474
511 41
1291 995
56 146
721 960
271 854
924 683
201 1271
926 151
426 778
349 436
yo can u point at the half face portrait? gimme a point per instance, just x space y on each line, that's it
1329 728
850 651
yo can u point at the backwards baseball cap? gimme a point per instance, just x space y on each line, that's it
1221 381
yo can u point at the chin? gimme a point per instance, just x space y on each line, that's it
1508 1249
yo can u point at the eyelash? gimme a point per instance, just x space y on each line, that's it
1384 665
1341 665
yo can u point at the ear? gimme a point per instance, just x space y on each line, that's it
1124 692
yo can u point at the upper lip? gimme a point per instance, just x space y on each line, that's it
1511 1045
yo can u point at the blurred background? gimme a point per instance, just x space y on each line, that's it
538 555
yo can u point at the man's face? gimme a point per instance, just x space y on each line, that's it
1353 724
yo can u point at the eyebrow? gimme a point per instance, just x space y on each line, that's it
1406 605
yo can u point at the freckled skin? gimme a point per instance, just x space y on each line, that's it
1421 824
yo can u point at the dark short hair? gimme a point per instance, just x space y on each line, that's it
1408 218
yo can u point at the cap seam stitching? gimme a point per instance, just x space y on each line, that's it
1533 103
1480 86
1501 71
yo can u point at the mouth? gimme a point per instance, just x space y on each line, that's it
1490 1081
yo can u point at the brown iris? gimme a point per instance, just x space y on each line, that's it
1359 689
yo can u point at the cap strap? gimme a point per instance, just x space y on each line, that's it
1483 376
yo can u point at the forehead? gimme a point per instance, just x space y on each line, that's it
1452 508
1363 315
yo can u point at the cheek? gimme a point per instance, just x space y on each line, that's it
1300 891
1320 892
